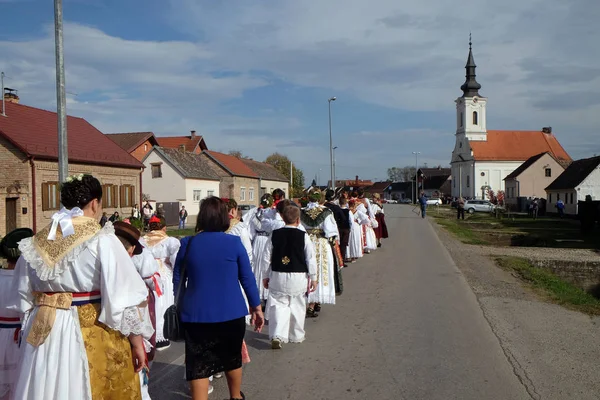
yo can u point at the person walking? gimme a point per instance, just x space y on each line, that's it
212 307
560 206
460 208
183 214
423 204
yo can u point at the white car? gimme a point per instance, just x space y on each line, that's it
472 206
434 202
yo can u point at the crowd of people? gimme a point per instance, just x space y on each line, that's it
82 305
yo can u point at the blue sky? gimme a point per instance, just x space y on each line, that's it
256 76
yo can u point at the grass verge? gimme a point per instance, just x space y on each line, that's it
551 286
180 232
460 231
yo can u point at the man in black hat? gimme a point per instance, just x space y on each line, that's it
9 246
129 236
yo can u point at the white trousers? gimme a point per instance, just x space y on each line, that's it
286 317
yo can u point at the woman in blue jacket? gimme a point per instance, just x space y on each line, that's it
212 306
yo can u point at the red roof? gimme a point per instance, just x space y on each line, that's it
35 132
517 146
131 141
175 142
232 164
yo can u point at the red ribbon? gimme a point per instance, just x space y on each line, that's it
156 285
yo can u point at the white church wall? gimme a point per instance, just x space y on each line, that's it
494 173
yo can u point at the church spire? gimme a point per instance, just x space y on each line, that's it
470 88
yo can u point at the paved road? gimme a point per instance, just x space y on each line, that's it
408 326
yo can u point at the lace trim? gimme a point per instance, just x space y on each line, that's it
132 322
48 273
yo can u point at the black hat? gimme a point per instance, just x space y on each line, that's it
129 233
9 246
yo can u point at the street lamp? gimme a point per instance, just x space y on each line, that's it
319 178
334 176
331 144
416 153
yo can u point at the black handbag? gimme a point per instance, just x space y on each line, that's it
172 329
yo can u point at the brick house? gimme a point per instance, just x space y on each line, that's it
238 180
270 178
138 144
29 188
193 143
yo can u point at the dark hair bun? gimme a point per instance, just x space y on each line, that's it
78 191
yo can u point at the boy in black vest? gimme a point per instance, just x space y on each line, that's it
291 265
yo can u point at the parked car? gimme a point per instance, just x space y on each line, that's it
406 201
435 202
472 206
244 208
391 201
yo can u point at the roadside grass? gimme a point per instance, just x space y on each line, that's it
516 230
180 232
551 286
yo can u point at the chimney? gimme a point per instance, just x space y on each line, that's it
11 96
547 129
182 147
193 134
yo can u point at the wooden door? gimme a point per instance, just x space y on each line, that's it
11 215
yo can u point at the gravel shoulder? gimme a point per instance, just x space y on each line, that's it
553 351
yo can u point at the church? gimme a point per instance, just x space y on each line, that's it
482 158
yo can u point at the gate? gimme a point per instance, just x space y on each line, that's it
170 211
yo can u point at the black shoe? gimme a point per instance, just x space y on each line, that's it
378 244
163 345
310 313
243 397
317 307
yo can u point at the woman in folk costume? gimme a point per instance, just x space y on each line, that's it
147 267
260 235
80 292
381 231
164 249
369 239
321 227
355 247
10 320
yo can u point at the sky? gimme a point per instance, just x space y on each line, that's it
255 76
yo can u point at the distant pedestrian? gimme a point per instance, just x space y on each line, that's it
423 204
135 212
460 208
534 208
561 208
183 214
115 217
147 212
104 219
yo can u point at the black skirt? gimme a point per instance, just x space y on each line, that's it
211 348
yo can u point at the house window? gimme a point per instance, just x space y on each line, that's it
50 196
145 147
251 194
549 197
548 172
557 196
567 198
127 196
197 195
461 119
474 117
110 196
571 197
156 170
210 193
242 194
468 181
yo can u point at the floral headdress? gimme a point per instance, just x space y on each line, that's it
76 177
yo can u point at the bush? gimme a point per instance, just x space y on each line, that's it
137 223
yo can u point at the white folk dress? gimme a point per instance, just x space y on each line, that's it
260 234
240 229
164 249
320 225
86 353
10 322
370 240
355 246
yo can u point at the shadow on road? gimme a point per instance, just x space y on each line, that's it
258 341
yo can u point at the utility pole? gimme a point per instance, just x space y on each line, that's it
61 100
3 113
416 153
331 144
291 179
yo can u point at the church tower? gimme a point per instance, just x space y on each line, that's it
471 118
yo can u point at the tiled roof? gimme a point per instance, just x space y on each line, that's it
517 146
231 164
131 141
190 165
264 170
35 132
429 172
525 165
175 142
378 187
575 174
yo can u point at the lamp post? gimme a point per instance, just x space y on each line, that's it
331 144
416 153
334 176
61 100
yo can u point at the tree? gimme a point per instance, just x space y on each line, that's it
282 164
237 153
405 174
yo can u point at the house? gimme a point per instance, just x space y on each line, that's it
580 179
399 191
29 186
482 158
435 182
531 178
177 175
351 183
238 180
379 188
138 144
193 143
269 177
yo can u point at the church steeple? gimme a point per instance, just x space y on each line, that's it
470 88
